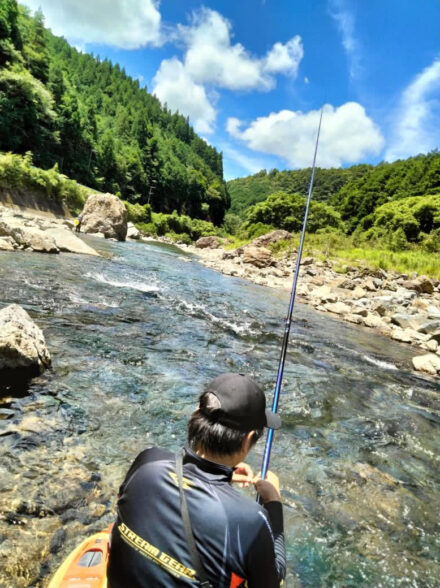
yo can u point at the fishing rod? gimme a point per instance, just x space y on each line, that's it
276 397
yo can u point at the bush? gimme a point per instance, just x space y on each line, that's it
286 211
257 230
138 213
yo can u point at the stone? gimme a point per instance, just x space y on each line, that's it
369 285
105 213
35 239
431 345
429 327
373 321
324 294
7 244
68 241
207 243
421 284
258 256
337 308
401 335
433 311
354 318
360 310
435 336
272 237
359 292
382 305
307 261
22 343
133 232
408 321
428 363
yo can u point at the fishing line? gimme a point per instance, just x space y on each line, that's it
276 397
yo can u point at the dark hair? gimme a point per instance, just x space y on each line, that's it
206 433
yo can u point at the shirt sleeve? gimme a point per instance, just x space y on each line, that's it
267 555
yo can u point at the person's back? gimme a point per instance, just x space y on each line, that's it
237 539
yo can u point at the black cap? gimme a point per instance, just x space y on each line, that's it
242 403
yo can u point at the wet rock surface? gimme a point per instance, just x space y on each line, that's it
23 348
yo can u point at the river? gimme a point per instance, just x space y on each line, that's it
134 335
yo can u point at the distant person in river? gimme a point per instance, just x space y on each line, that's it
77 223
180 521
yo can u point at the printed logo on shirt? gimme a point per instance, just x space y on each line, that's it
187 484
157 556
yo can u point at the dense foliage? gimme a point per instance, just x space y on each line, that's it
98 125
286 211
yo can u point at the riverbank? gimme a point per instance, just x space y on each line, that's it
404 308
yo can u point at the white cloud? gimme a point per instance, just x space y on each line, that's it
173 85
211 61
128 24
347 135
417 117
250 164
284 58
346 25
211 58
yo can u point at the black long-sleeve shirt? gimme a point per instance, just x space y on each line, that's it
237 539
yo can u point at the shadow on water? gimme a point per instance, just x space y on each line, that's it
134 336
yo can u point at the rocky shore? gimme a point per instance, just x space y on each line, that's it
404 308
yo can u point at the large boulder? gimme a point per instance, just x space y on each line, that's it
22 345
258 256
272 237
207 243
7 244
106 214
67 241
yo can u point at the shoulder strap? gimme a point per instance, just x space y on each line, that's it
198 566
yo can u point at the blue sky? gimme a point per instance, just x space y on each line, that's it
253 74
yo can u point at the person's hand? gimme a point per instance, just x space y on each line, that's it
268 489
243 475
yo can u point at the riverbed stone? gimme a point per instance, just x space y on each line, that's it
408 321
68 241
257 256
337 308
272 237
428 363
7 244
207 243
421 284
133 232
106 214
429 327
22 343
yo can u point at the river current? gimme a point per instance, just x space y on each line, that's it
134 336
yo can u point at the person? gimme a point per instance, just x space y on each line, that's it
239 542
77 223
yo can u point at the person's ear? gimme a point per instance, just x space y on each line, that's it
247 441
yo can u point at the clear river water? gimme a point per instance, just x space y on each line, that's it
134 336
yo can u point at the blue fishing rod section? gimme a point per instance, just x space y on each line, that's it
277 393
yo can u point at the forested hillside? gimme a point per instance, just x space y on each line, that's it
354 191
98 126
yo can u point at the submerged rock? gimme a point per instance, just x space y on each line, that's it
22 344
105 213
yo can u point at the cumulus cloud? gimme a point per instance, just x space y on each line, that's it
211 61
127 24
173 85
212 58
417 117
347 136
